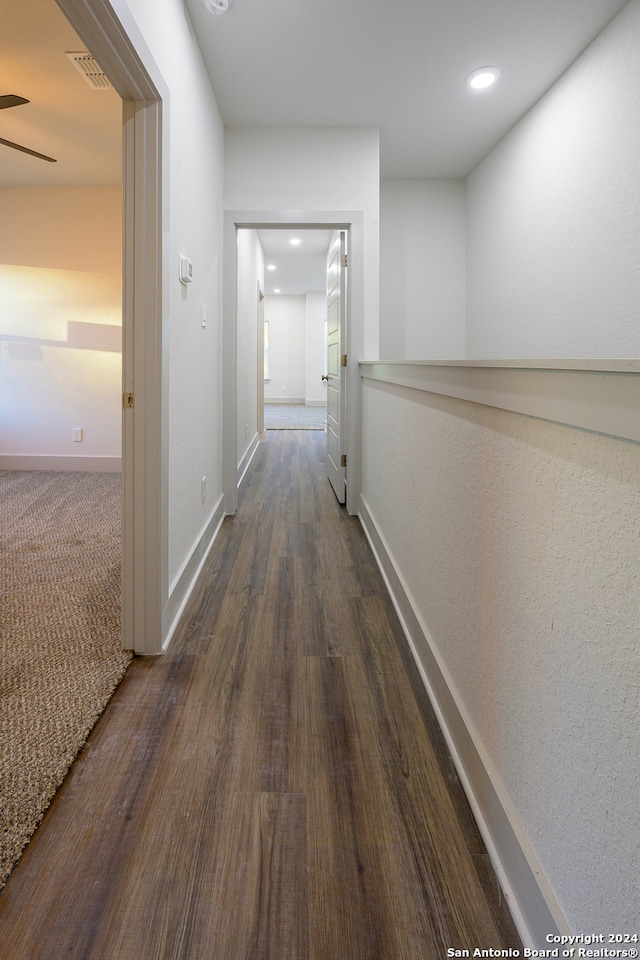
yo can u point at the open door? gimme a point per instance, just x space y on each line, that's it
261 360
336 364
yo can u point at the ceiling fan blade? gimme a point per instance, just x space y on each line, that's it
11 100
32 153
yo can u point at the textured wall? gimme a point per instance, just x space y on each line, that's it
519 542
300 169
553 216
193 353
422 269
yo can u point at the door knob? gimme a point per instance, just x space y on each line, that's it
324 376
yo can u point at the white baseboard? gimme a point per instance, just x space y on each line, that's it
61 464
315 403
287 400
186 580
533 906
244 464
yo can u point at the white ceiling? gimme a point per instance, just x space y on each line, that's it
298 269
399 65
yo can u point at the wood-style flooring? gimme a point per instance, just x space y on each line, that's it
274 787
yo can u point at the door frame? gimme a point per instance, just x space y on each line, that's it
335 372
114 39
351 220
260 359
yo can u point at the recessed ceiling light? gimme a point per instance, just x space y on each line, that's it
482 78
276 290
271 266
295 241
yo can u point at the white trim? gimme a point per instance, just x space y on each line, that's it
229 365
112 36
245 463
10 461
601 396
291 401
585 364
261 358
533 906
187 577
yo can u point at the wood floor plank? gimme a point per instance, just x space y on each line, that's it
259 905
275 786
429 821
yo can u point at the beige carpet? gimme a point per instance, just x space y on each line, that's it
60 657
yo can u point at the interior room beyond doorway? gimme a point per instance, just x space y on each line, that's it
295 264
281 331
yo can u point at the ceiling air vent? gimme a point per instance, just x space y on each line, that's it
90 70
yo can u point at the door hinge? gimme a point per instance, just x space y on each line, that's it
127 401
344 260
343 460
343 360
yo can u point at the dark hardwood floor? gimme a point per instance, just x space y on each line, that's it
275 787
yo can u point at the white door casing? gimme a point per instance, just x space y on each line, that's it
261 371
336 365
112 36
353 222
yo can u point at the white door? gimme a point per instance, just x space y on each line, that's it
261 360
336 364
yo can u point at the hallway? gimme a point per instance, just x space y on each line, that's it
274 786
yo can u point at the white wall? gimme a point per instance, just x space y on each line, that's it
422 269
287 317
61 323
296 349
517 541
553 216
292 172
315 390
192 351
299 169
250 275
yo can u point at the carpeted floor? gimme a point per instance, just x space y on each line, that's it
294 416
60 656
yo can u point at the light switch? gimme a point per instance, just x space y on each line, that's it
186 270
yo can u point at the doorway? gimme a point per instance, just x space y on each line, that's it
125 59
61 278
234 222
293 361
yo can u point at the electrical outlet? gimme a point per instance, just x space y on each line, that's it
77 435
203 489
